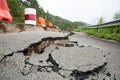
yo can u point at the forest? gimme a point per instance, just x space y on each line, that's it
17 11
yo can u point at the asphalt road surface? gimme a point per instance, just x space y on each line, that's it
84 54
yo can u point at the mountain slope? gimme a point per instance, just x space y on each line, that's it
17 11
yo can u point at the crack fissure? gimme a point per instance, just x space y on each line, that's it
39 47
55 67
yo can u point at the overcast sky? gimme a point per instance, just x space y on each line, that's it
82 10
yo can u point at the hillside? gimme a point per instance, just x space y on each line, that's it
17 11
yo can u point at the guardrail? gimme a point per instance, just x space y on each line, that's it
108 24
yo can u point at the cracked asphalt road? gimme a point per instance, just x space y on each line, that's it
90 54
110 49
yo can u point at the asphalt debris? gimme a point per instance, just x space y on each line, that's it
69 45
82 46
75 42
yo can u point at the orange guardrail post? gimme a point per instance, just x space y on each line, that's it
41 22
50 24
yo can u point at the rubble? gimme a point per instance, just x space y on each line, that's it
69 45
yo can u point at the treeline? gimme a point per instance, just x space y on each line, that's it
17 11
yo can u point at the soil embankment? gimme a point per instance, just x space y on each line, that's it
6 27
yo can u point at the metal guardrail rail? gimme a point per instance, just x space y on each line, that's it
108 24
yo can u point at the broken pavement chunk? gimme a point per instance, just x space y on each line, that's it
84 75
69 45
82 46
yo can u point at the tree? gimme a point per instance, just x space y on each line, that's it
16 10
101 20
116 15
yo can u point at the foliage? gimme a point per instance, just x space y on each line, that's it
77 30
106 32
17 11
116 15
101 20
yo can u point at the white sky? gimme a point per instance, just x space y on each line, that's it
82 10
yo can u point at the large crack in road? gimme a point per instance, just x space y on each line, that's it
78 75
52 64
38 47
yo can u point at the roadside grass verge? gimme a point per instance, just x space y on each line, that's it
111 33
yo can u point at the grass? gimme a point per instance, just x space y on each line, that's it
112 33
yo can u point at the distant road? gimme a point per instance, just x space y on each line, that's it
94 41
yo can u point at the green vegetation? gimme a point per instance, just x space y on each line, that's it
116 15
112 33
101 20
17 11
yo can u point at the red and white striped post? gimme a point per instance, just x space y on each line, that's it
30 16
